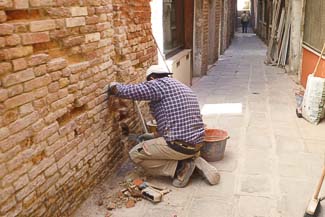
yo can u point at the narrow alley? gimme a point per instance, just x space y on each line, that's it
272 159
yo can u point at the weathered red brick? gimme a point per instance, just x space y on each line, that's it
39 3
56 75
92 37
46 132
78 11
6 4
3 95
14 175
21 4
67 3
13 40
54 87
18 77
2 42
16 162
58 12
19 100
73 41
42 25
41 92
8 205
103 26
76 21
19 64
77 67
21 182
5 67
3 16
51 170
39 180
26 109
10 116
37 83
35 38
6 29
23 122
6 193
92 20
56 64
38 169
16 52
64 82
88 29
3 170
40 70
38 59
15 90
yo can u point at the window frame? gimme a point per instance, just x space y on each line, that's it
179 28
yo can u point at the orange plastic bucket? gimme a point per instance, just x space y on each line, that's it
214 146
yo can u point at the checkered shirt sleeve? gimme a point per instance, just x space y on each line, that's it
174 106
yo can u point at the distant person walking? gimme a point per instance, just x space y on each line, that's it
244 18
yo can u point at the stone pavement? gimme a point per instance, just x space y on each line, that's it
273 159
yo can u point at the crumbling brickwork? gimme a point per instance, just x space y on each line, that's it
59 132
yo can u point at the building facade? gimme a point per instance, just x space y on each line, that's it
191 32
313 39
304 23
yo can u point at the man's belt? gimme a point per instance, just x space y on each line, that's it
184 147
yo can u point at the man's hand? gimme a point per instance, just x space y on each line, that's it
145 136
112 90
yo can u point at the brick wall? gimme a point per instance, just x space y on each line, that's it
218 27
225 16
229 8
205 38
59 133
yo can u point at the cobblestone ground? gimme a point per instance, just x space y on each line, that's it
272 161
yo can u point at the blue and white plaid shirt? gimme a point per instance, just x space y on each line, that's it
174 106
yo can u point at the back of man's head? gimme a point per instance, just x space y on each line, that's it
157 71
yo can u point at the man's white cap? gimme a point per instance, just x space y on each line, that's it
157 69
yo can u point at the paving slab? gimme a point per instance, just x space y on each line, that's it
272 160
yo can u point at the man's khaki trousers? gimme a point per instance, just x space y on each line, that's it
156 157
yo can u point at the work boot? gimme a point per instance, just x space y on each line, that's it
183 173
209 172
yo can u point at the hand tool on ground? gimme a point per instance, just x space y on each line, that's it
147 184
152 194
313 205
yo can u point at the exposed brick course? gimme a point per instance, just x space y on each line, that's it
59 132
43 25
6 29
34 38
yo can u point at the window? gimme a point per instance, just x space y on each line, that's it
173 26
314 29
